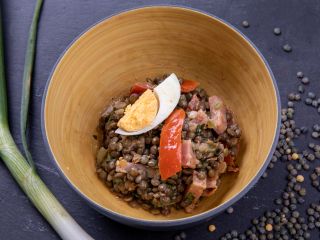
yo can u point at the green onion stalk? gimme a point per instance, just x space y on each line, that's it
21 168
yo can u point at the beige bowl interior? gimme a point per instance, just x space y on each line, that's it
149 42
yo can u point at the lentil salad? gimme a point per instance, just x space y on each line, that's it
139 170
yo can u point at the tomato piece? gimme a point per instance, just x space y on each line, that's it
188 86
170 150
141 87
231 164
229 160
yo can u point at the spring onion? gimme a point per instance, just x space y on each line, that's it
29 60
23 171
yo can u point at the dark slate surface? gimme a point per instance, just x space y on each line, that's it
63 20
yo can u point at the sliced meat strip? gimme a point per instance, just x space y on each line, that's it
211 186
197 118
218 118
189 159
194 103
195 190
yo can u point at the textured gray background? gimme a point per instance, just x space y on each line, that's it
63 20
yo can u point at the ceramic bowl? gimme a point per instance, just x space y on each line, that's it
113 54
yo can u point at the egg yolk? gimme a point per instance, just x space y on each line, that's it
141 113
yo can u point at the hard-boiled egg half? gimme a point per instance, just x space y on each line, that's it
151 108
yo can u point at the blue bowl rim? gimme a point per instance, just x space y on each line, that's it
182 221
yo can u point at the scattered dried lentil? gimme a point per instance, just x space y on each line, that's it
177 237
302 192
230 210
211 228
308 101
311 95
295 156
300 74
300 178
183 235
287 48
245 24
305 80
277 31
315 134
269 227
301 89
